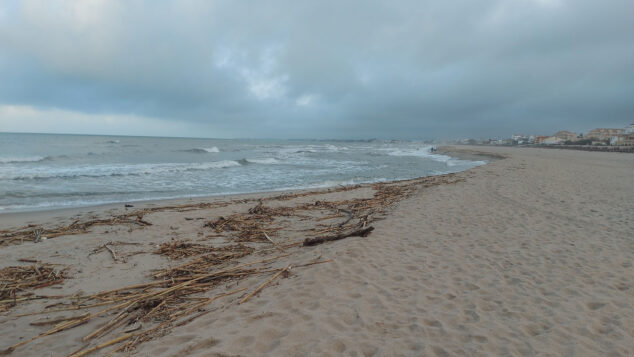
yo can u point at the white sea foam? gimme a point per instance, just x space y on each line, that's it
456 162
426 153
294 150
263 161
332 183
212 149
18 159
209 165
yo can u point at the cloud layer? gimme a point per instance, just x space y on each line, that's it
410 69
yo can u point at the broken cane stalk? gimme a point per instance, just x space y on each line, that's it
264 284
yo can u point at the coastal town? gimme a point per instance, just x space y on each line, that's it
598 139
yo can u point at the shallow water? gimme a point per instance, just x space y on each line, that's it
42 171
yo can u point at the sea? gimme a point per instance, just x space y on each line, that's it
47 171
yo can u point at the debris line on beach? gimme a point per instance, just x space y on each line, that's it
250 249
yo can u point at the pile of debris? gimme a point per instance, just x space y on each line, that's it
17 281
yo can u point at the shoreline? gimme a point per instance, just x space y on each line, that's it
594 148
12 219
102 172
469 153
65 216
527 255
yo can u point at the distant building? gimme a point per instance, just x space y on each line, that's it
519 138
623 139
603 133
629 129
566 135
539 139
552 140
501 142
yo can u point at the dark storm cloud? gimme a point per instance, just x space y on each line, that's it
327 69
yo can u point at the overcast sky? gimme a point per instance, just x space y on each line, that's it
316 69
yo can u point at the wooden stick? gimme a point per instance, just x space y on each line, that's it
265 284
156 308
129 288
198 305
313 263
122 315
78 307
269 238
57 320
114 256
319 240
347 220
103 345
328 217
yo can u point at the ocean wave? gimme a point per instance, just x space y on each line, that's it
37 177
115 170
422 152
419 152
212 165
306 149
349 182
212 149
426 153
262 161
56 158
30 159
19 159
31 195
456 162
333 183
45 205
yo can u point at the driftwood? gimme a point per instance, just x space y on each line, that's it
269 238
246 298
364 232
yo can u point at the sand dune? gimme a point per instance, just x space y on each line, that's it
529 255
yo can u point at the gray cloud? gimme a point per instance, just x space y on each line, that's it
412 69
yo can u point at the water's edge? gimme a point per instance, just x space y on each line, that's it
64 215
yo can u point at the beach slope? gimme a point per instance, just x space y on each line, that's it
530 254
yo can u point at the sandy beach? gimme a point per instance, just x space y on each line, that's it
528 255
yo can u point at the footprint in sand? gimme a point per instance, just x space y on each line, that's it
471 316
594 305
439 351
202 345
433 323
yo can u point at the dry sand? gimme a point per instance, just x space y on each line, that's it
529 255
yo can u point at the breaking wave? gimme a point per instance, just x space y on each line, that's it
16 160
119 170
263 161
212 149
31 159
